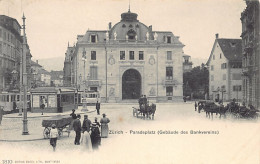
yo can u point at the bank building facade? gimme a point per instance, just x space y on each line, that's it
126 61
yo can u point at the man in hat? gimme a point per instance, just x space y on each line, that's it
86 124
104 126
77 129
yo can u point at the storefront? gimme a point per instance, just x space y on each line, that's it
54 99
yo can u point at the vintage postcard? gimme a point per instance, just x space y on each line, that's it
129 81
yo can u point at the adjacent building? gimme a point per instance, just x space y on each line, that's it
126 61
225 69
11 54
251 54
56 78
187 64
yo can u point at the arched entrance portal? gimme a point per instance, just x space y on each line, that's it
131 84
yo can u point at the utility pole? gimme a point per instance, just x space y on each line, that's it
25 121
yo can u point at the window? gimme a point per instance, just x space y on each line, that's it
213 57
223 65
131 55
0 33
122 55
212 68
168 39
224 77
93 55
220 56
93 38
212 77
169 91
237 88
93 73
236 76
93 89
4 35
169 73
169 55
141 55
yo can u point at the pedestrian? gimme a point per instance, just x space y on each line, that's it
77 129
1 113
86 124
14 106
196 106
85 139
97 107
104 126
95 135
53 136
42 107
74 117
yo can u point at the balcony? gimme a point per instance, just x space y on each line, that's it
170 82
93 83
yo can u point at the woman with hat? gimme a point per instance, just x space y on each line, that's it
104 126
53 136
95 134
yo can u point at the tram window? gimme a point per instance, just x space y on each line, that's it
7 98
18 97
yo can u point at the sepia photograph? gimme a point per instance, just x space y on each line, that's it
129 81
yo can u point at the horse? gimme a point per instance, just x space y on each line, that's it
151 110
211 108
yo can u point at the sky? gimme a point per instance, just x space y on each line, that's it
51 24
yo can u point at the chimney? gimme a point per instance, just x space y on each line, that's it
37 61
216 35
109 25
151 27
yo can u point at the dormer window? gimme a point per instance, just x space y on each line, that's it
131 34
93 38
123 25
137 26
130 26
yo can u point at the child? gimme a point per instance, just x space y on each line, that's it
53 136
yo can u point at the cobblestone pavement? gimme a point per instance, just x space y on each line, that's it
169 138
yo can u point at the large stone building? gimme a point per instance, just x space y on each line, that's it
11 53
126 61
251 53
225 69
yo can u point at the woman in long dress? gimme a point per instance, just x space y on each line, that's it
86 141
104 126
95 135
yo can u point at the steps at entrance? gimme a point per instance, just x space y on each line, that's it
129 101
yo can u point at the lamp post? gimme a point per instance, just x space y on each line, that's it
84 100
25 121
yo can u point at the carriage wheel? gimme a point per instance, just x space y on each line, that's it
46 133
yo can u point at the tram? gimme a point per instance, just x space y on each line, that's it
12 101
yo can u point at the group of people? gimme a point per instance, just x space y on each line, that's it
90 137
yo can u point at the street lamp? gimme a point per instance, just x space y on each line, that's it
25 121
84 100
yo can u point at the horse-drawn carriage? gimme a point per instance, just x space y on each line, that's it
238 111
211 107
234 109
62 124
145 111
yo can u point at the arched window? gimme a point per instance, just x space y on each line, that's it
131 34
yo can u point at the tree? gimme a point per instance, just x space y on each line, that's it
196 82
